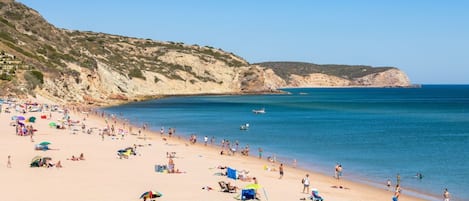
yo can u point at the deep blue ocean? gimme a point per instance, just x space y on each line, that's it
375 133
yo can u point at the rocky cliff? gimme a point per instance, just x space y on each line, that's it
96 68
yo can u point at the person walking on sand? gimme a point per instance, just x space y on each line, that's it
9 162
280 169
305 182
446 195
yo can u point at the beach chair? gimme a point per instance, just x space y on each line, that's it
226 187
315 195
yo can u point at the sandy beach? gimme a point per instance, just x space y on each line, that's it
102 175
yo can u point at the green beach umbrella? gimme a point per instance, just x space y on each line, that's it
32 119
52 124
45 143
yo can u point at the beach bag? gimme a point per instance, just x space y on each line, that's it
303 181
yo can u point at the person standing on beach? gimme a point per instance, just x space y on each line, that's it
280 169
305 182
446 195
336 172
171 165
205 140
398 188
260 153
9 162
398 179
388 184
339 172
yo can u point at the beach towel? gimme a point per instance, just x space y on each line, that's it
231 173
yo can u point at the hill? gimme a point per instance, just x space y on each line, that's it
97 68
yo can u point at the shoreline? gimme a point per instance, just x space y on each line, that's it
366 182
126 179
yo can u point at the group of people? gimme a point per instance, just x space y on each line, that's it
80 158
398 189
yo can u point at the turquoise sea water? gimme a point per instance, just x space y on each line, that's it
374 133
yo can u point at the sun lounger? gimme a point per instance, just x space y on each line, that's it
226 187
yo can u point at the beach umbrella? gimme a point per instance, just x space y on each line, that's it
32 119
151 194
52 124
45 143
21 118
36 158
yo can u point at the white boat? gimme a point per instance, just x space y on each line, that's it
261 111
244 126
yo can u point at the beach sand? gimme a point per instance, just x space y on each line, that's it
103 176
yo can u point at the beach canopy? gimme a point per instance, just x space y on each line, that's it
151 194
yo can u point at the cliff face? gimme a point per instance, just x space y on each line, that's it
96 68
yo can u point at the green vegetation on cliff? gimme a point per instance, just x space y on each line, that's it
285 69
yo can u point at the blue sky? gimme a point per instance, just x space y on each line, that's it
429 40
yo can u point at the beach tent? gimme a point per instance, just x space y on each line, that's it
231 173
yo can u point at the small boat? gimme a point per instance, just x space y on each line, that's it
261 111
244 126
